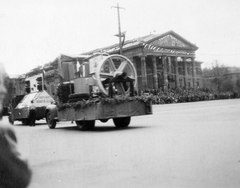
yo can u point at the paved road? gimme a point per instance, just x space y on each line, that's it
179 146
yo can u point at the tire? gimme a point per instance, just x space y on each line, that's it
10 119
25 121
122 122
103 120
85 125
50 121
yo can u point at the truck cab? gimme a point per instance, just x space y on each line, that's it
20 106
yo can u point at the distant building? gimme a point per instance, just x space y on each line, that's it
235 79
15 86
222 78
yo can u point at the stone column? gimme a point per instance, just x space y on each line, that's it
176 72
165 73
169 63
185 72
155 81
194 72
144 72
134 62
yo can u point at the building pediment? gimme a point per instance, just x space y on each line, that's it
171 40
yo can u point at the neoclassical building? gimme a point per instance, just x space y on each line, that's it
162 61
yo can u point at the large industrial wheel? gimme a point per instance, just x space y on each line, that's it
122 122
112 66
85 125
50 121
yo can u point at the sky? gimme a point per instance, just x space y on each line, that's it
35 32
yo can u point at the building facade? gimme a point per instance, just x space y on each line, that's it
162 61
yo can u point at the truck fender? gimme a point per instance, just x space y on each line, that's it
52 108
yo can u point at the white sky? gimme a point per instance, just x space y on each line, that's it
34 32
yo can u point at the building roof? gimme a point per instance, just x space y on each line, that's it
151 41
17 76
142 41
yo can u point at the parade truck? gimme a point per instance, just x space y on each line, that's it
19 110
98 87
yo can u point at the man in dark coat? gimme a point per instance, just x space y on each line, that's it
32 114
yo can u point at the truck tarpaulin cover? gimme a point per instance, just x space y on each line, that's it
40 99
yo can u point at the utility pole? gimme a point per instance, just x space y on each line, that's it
119 27
42 69
43 80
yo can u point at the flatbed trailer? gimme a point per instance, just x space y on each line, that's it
85 116
105 89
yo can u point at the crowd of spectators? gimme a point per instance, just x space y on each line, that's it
187 95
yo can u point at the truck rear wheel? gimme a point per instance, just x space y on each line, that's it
50 121
85 125
122 122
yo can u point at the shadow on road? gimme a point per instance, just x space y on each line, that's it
23 125
107 129
102 128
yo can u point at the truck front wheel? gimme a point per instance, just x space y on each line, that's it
50 121
122 122
25 121
11 119
85 125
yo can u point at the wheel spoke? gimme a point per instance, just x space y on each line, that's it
108 67
106 75
111 64
122 66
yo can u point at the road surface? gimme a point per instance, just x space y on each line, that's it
180 146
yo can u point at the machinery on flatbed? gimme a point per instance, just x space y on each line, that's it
102 88
19 110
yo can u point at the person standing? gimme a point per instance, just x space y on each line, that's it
32 114
14 169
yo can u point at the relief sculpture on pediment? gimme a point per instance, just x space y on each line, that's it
169 40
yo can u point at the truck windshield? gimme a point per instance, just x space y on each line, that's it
26 100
